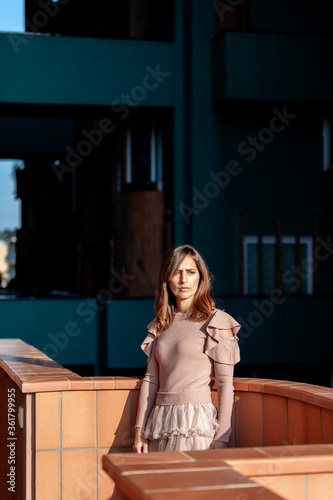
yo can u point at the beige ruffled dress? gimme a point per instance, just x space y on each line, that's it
175 406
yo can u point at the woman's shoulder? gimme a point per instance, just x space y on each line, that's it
147 344
221 348
221 317
152 327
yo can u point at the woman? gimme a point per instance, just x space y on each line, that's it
188 343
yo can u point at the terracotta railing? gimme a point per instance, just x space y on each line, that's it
64 425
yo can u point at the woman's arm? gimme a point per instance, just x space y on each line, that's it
225 391
147 398
140 444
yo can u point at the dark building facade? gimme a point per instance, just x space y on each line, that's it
147 124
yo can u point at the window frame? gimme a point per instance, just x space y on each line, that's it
271 240
156 155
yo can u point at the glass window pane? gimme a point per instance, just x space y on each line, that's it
268 257
141 152
252 266
288 261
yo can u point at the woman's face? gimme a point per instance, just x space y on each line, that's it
184 283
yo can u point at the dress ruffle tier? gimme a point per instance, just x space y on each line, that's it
180 427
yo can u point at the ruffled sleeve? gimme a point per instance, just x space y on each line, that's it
147 344
218 347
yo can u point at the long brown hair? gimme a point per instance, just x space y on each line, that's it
165 302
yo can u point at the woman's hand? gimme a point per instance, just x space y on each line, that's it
140 444
218 444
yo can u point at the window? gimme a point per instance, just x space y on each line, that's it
143 159
292 273
136 19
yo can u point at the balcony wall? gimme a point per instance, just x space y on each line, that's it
271 473
68 423
56 70
271 66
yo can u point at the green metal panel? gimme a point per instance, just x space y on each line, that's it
126 329
283 329
65 330
41 69
286 67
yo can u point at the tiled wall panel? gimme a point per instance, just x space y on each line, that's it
327 425
47 420
313 424
78 474
248 431
78 422
114 418
47 475
296 422
81 426
275 420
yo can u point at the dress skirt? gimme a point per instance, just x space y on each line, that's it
184 427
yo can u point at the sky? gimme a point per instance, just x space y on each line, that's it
11 15
9 205
11 19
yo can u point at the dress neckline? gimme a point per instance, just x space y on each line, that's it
181 315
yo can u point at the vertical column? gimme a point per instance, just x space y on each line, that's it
187 112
